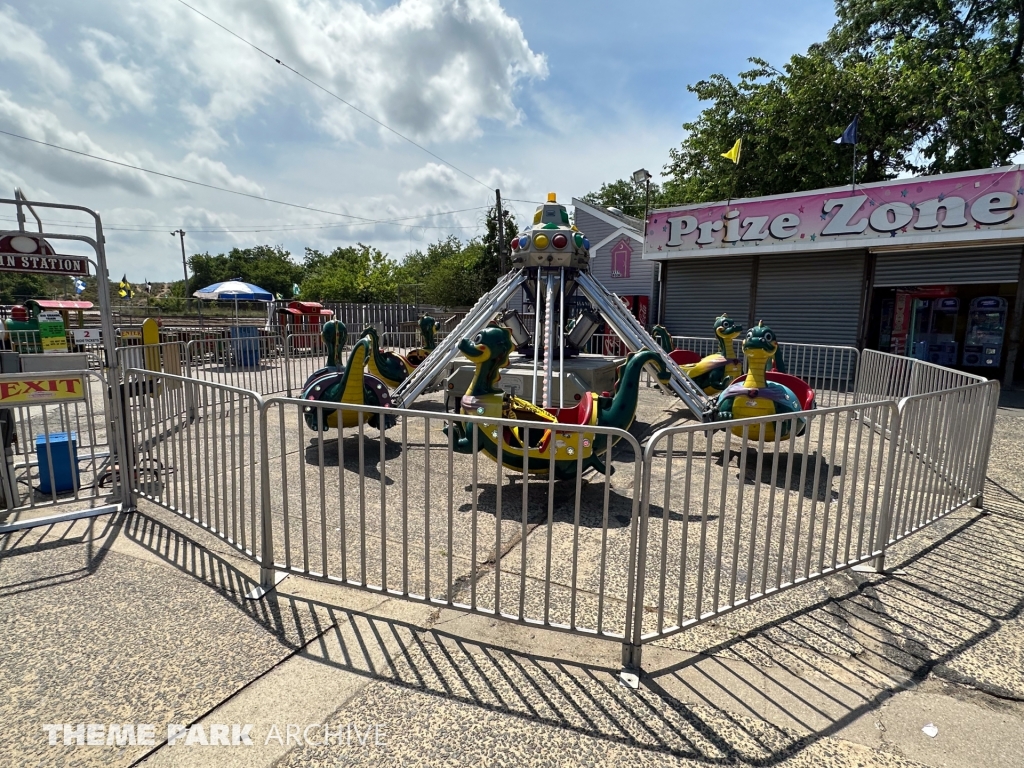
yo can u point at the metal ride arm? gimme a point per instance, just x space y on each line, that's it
636 337
481 314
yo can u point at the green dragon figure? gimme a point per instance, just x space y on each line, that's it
389 367
490 351
755 395
344 384
428 327
715 372
663 337
335 335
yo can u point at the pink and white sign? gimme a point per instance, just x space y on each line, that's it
956 207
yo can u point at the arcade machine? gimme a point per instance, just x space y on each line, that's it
939 339
986 325
917 313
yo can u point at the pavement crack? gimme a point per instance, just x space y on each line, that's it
287 657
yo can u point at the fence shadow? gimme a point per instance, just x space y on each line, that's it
97 533
702 708
620 505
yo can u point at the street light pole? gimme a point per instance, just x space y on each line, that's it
644 176
184 266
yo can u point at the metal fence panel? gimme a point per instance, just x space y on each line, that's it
886 376
305 354
942 453
409 516
728 519
258 364
194 449
57 453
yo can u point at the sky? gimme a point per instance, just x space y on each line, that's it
523 95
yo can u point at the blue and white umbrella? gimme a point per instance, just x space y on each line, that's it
233 290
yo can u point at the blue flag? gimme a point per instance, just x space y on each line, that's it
79 285
850 134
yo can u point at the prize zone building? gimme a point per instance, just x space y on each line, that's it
928 267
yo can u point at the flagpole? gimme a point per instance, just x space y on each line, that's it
853 170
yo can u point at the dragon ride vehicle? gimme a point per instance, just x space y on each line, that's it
680 357
764 393
344 384
539 438
715 372
428 327
389 367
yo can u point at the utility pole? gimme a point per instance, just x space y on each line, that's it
501 234
184 266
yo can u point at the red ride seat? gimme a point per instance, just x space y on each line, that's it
799 387
684 357
578 414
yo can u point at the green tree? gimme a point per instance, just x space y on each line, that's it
490 265
626 195
938 85
269 267
449 273
18 287
354 273
966 61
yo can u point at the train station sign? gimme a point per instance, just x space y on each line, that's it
28 252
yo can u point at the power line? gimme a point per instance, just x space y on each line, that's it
243 229
336 96
361 219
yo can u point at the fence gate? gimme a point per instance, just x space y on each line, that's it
195 449
58 462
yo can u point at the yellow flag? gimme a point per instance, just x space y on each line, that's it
734 153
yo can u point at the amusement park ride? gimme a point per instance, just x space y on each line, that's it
551 261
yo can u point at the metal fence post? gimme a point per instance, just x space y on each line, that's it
989 427
269 576
632 648
122 471
882 534
287 364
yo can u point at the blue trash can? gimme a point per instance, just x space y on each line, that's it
64 455
245 346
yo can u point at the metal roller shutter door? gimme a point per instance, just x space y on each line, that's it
699 290
811 299
966 265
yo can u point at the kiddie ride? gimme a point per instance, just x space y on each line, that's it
761 392
534 444
339 383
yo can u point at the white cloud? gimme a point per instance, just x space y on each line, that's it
433 69
121 82
43 125
215 172
442 182
22 46
432 179
78 171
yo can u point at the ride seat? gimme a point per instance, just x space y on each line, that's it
684 356
578 414
800 388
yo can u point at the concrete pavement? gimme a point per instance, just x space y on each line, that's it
142 620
